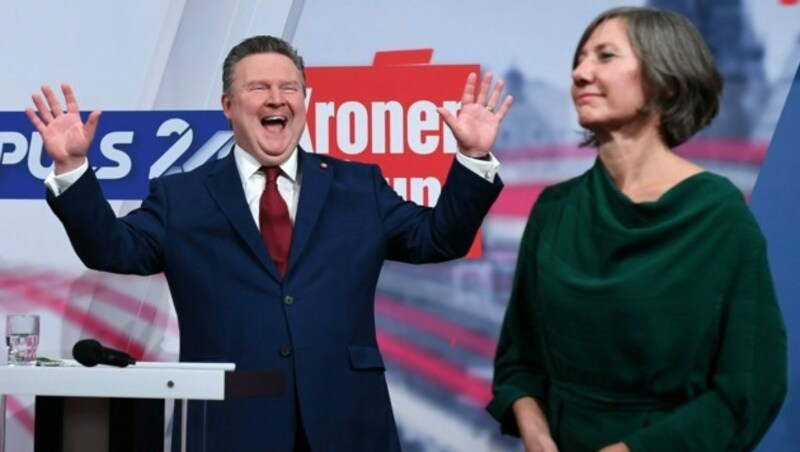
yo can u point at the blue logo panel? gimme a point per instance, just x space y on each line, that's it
774 203
129 149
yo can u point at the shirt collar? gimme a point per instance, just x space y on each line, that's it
248 165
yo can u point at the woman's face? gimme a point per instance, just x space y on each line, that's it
607 87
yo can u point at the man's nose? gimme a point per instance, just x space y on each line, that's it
275 96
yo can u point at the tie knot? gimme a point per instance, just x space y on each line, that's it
272 172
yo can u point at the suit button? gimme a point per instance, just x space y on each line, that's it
285 351
288 299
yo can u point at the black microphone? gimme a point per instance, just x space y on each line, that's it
90 353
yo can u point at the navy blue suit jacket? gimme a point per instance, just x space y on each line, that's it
317 325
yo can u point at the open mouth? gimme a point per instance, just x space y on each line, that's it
274 122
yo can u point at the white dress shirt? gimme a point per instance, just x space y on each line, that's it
253 181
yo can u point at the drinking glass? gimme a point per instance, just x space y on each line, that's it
22 338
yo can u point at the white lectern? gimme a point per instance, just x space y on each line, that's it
157 381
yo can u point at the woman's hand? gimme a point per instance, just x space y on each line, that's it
616 447
538 442
533 427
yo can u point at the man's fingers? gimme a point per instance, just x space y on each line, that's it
468 96
69 98
44 112
501 112
448 117
91 123
34 119
485 83
496 92
52 101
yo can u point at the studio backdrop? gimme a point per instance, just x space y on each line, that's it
376 72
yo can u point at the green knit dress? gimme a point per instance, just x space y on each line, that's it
651 323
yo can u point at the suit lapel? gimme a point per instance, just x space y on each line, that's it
317 177
225 186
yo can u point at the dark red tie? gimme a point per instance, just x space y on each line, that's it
273 217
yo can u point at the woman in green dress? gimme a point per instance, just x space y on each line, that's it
642 315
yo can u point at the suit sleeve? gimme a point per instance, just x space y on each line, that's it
418 234
749 379
130 245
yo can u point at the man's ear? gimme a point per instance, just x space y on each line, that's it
226 105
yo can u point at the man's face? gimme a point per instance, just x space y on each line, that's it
266 106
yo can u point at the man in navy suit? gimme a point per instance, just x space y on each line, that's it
311 317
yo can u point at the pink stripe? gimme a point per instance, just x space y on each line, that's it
546 152
143 311
727 150
455 334
20 413
101 330
751 152
439 371
111 296
517 200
